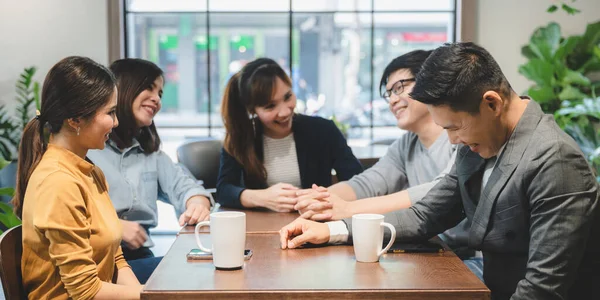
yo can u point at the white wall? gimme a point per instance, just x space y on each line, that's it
506 25
41 32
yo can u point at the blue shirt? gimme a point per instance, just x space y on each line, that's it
136 180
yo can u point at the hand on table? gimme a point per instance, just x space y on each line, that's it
280 197
302 231
197 210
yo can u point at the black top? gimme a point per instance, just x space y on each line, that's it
320 147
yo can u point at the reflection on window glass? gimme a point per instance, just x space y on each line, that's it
408 5
178 44
166 6
396 34
245 5
243 39
331 5
334 51
331 69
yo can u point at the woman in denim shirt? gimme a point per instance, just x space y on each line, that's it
137 171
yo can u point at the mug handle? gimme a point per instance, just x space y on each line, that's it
197 235
392 238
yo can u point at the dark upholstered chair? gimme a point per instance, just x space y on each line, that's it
11 248
202 158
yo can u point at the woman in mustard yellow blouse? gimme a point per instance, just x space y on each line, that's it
71 233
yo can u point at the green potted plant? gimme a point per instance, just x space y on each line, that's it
564 6
582 122
8 131
8 219
12 125
559 66
28 99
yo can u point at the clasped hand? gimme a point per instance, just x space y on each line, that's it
280 197
319 204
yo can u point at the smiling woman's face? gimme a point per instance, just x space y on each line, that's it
276 116
147 104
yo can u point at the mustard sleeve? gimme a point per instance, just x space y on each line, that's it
62 218
120 261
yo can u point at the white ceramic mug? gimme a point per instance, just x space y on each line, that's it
228 236
367 234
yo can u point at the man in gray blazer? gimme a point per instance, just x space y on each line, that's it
522 182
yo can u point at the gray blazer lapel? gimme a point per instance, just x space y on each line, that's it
496 182
470 165
506 164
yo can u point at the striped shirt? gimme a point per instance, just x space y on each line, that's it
281 161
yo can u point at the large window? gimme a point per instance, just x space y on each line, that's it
334 51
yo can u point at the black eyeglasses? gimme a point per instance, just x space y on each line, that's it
397 89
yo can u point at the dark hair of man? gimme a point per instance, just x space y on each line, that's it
457 75
412 61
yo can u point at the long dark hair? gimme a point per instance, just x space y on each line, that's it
75 88
133 77
251 87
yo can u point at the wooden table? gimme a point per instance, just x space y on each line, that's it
257 221
312 273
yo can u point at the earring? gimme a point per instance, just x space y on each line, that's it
78 131
253 125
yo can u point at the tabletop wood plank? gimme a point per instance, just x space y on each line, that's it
312 273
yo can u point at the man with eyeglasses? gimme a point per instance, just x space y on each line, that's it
412 166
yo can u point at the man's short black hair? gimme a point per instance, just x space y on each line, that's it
412 60
457 75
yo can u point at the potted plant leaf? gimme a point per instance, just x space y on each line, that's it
559 66
8 219
565 72
12 125
582 122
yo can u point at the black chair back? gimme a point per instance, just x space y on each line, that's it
202 159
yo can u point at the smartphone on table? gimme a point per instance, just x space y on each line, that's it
197 254
422 247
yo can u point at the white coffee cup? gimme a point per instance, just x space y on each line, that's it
228 235
367 234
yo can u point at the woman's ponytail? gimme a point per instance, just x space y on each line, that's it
31 150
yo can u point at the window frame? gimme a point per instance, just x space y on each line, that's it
463 22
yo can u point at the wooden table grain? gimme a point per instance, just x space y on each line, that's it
312 273
257 221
